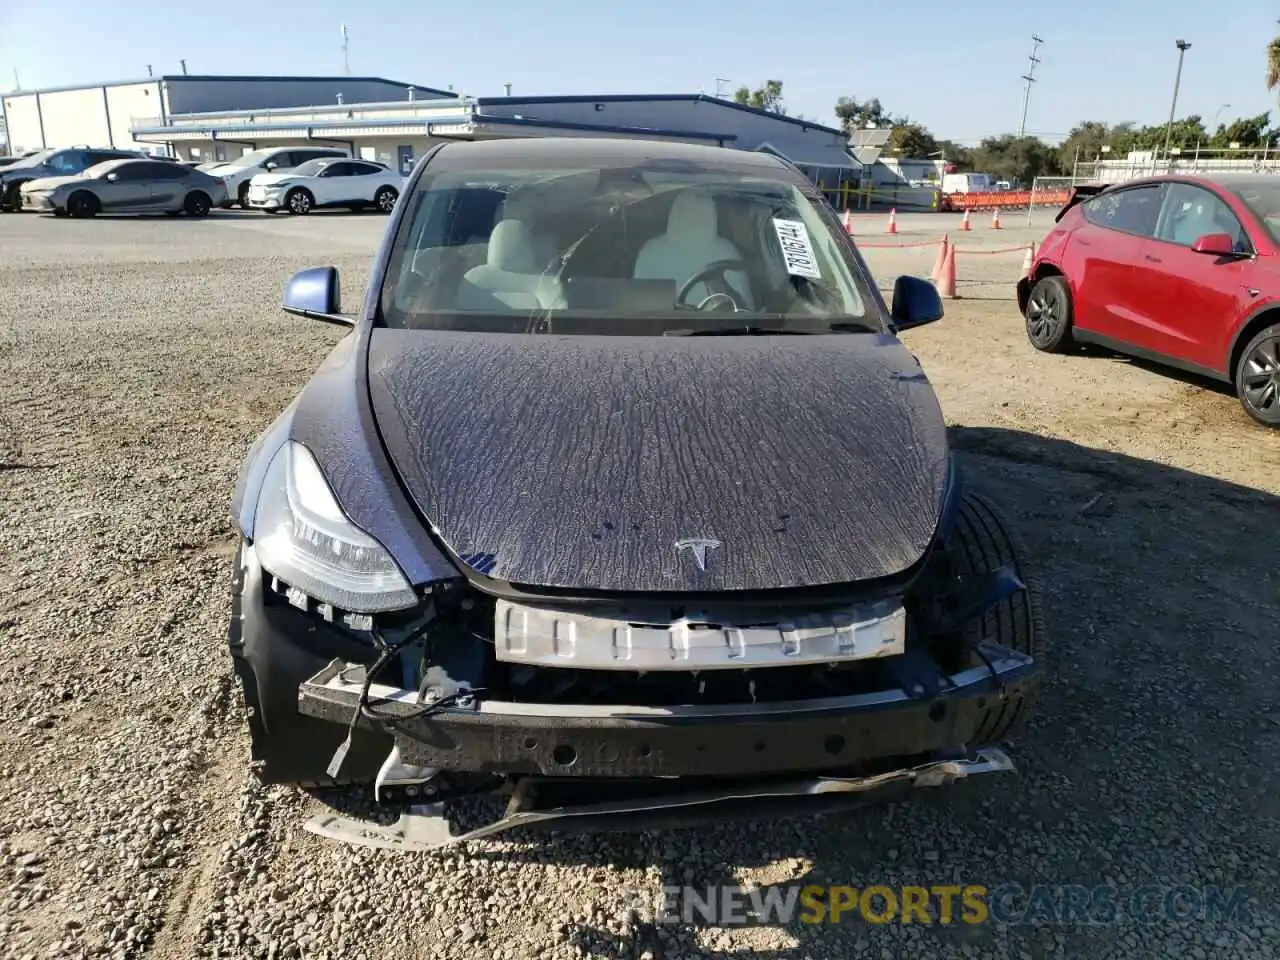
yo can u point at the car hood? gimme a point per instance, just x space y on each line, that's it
267 179
50 183
580 462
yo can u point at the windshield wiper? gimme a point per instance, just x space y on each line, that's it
758 330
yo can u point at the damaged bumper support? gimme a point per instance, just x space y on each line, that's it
536 803
927 713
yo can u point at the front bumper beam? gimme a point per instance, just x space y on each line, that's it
927 713
425 827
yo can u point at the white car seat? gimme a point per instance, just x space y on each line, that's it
692 241
512 275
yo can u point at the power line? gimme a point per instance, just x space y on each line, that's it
1030 78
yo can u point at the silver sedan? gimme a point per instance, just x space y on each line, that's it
127 186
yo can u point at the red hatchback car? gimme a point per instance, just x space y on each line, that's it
1181 270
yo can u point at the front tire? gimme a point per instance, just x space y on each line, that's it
242 196
83 205
983 542
285 745
1049 315
1257 377
299 201
385 199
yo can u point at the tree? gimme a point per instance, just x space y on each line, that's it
858 115
1273 64
768 97
912 140
1015 158
1246 131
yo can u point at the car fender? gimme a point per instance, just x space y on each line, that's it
333 419
244 502
1242 334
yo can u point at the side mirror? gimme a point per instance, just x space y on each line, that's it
1215 244
915 303
315 294
270 165
113 177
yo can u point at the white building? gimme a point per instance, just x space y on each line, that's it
399 131
104 114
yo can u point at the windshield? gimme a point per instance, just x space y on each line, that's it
1263 199
310 168
252 159
100 170
633 251
35 160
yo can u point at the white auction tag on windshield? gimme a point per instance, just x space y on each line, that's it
797 251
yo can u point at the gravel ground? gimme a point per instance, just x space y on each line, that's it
144 356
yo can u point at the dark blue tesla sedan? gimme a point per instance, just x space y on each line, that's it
622 496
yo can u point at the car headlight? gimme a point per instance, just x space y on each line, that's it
302 536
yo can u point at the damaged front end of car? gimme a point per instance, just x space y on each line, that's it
594 712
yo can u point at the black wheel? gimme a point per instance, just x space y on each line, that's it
984 542
385 199
299 201
197 204
83 204
242 196
1049 315
1258 377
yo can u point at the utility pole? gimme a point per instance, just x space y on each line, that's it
1029 77
346 59
1183 47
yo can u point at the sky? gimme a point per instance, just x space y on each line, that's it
953 67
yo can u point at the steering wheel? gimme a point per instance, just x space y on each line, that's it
715 270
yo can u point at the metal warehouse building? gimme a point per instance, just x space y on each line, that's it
105 115
398 132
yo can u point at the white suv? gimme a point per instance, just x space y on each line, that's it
237 173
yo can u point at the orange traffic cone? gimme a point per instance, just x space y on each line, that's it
938 264
1028 259
946 282
847 221
964 224
995 219
893 221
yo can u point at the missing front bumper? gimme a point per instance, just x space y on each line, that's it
426 828
927 713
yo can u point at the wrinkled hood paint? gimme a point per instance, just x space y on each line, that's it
578 462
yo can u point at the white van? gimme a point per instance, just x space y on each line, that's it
966 183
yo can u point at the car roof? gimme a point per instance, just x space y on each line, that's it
1226 179
608 152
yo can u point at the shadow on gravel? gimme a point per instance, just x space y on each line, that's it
1148 764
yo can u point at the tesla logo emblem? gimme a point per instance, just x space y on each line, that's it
699 547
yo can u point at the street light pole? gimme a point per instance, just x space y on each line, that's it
1183 47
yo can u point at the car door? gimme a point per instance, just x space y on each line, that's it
1195 296
363 181
327 184
342 182
126 187
168 185
1105 255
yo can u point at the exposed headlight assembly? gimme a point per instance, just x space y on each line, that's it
302 536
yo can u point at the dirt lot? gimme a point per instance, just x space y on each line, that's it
142 357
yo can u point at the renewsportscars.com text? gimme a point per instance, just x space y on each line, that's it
939 904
